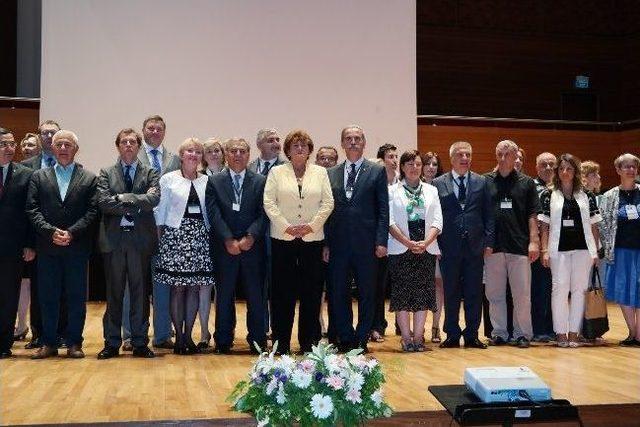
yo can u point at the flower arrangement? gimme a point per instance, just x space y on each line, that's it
323 388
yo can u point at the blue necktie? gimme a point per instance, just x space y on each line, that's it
156 162
128 182
462 190
236 183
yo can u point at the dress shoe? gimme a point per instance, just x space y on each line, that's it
475 343
628 342
34 343
522 342
203 346
497 341
180 350
5 354
107 353
450 343
126 346
75 352
44 352
222 349
164 344
191 348
144 352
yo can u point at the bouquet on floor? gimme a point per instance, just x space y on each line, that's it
323 388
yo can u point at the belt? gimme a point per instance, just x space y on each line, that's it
126 228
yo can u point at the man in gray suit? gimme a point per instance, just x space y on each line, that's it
127 193
156 156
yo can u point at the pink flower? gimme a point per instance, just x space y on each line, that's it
335 382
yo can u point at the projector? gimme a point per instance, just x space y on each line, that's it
506 384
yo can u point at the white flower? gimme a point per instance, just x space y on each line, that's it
372 363
335 382
353 396
301 379
331 362
280 396
263 422
273 384
358 361
376 397
321 406
356 380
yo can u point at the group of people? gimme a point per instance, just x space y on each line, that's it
175 230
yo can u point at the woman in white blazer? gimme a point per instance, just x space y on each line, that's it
415 220
569 244
184 261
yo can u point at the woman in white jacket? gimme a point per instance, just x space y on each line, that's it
415 220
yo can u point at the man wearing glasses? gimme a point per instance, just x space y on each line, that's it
16 247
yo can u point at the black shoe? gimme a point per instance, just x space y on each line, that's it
164 344
34 343
203 346
144 352
344 347
222 349
628 342
450 343
126 346
497 341
475 343
522 342
5 354
107 353
191 348
179 349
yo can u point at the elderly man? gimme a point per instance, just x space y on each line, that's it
127 193
155 155
356 234
62 207
467 237
516 206
16 244
541 318
235 207
327 157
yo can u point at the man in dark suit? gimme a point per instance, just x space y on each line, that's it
156 156
235 207
127 193
14 235
62 207
355 234
467 237
45 159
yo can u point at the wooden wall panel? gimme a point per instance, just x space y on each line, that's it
600 146
20 121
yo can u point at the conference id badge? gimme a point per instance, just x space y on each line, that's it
193 209
568 223
632 211
506 204
235 207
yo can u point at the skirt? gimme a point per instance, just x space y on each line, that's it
184 258
623 278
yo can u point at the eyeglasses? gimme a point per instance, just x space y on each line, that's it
60 144
10 144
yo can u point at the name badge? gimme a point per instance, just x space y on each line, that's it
568 223
193 209
235 207
506 204
632 211
125 222
349 193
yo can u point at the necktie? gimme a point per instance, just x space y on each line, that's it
50 162
156 162
1 180
265 169
462 190
128 182
236 183
351 177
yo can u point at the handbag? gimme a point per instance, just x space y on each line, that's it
596 321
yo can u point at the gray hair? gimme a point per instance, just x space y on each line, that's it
65 134
458 146
354 126
626 157
264 134
231 141
508 144
546 153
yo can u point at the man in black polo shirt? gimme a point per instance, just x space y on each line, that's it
516 205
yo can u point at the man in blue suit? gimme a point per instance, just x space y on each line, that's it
356 233
467 237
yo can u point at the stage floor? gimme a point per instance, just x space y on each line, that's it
173 387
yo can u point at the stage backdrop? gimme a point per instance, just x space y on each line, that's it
229 67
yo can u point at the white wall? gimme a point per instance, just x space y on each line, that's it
229 67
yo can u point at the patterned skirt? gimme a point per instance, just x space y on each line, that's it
412 277
184 258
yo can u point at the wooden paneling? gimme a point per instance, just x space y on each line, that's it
20 119
602 147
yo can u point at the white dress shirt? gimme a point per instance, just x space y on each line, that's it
456 182
347 169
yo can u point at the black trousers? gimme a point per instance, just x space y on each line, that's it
127 264
382 279
541 316
10 275
35 316
296 273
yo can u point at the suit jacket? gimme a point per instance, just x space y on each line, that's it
227 223
170 162
33 163
471 229
76 213
15 232
253 165
362 222
139 203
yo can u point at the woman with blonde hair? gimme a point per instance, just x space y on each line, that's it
184 261
213 160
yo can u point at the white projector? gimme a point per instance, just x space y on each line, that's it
506 384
